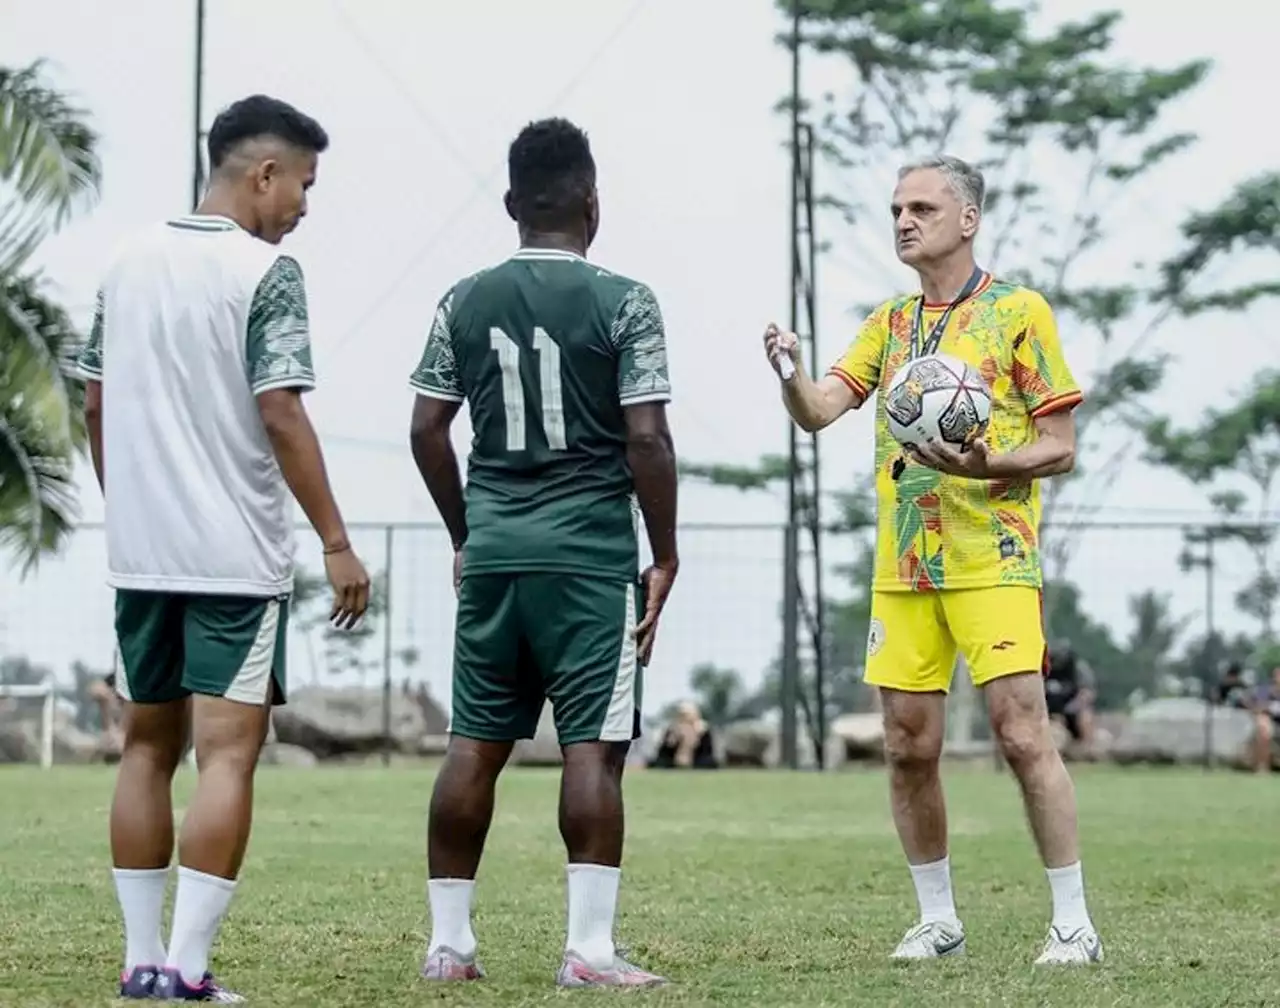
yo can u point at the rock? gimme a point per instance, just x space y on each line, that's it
333 722
1172 730
276 754
862 736
20 737
543 749
758 743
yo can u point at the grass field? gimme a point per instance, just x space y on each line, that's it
744 888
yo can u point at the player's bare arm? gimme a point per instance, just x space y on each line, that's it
1052 453
438 463
297 450
812 404
93 423
652 458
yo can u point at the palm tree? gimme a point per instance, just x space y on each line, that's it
49 170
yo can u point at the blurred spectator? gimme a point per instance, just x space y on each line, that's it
1232 689
687 742
1069 692
1266 708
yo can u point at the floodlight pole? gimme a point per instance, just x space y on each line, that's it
790 672
197 175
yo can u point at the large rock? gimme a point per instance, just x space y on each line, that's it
20 735
861 735
1172 730
758 743
543 749
332 722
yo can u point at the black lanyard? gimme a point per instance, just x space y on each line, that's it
935 334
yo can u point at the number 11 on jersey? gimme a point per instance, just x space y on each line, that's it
548 352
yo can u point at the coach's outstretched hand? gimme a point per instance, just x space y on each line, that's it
779 346
350 583
657 582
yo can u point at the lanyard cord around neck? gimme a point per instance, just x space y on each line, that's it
930 344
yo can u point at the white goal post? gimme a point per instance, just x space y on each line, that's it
48 692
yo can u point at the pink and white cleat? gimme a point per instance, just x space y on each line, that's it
574 972
445 964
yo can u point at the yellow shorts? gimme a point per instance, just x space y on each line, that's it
915 636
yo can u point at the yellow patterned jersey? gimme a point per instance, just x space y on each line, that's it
936 531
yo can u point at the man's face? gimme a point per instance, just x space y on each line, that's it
929 221
281 182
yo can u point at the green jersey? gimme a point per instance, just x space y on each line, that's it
546 349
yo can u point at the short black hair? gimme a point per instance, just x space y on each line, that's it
261 115
551 172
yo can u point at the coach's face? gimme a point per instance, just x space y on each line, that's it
930 222
282 183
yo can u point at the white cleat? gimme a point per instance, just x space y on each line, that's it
1071 948
931 940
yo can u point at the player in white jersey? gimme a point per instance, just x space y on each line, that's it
199 354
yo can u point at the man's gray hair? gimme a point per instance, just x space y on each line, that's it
965 180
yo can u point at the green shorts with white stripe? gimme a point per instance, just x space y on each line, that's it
173 645
522 638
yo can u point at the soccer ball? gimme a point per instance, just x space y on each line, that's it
937 398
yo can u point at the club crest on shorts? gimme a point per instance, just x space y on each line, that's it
875 637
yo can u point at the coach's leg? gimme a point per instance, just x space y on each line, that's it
149 629
235 651
909 657
496 700
1000 631
582 631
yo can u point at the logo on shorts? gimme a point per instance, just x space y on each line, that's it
875 637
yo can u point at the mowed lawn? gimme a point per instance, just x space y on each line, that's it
746 888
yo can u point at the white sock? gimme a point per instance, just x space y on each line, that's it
593 902
933 891
141 895
198 909
450 900
1067 886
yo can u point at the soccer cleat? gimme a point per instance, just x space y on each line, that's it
445 964
931 940
171 987
138 984
1071 948
574 972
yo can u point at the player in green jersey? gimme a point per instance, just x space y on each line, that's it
563 366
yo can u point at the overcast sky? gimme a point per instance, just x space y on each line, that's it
421 101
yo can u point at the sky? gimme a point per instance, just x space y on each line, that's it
677 96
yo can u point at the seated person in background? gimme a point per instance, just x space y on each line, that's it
1266 708
1232 690
1069 691
687 742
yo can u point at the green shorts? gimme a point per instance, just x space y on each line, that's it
174 645
521 639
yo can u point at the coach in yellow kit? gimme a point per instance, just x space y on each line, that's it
957 551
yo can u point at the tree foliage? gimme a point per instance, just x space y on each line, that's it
1063 133
48 171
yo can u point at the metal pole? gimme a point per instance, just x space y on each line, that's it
197 177
815 517
389 548
1210 648
790 587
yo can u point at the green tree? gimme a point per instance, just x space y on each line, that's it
1234 451
1065 134
48 171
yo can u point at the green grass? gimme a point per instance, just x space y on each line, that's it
745 888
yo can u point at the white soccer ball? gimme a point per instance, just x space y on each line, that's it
937 398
